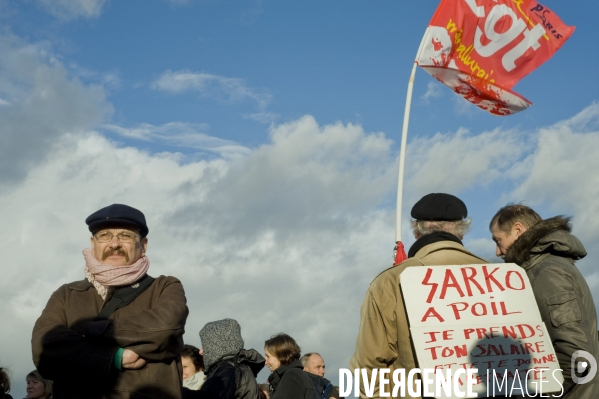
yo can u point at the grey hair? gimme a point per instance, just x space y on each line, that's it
458 228
306 358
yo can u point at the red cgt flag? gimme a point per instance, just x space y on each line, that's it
482 48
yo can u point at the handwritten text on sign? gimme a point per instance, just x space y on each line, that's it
483 317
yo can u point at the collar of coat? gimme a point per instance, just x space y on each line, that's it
81 285
441 246
249 357
276 375
548 236
431 238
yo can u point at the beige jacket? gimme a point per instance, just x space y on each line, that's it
384 337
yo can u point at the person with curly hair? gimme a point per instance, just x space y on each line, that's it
4 384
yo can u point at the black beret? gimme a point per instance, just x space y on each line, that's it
117 214
439 206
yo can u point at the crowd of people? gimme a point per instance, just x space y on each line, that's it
37 386
224 369
118 333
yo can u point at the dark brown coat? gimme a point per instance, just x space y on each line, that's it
77 353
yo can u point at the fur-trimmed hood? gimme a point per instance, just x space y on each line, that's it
548 236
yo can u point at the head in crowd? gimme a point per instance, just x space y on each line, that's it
509 223
4 381
439 212
313 363
37 386
280 350
191 360
220 339
118 235
264 391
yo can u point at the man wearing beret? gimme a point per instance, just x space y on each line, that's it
118 332
384 338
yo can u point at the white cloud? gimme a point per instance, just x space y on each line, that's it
45 103
262 117
564 174
4 103
180 134
109 80
433 90
452 162
72 9
229 90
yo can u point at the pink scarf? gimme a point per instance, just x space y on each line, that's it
103 276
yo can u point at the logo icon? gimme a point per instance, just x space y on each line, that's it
580 372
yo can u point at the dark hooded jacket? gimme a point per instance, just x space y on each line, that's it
233 377
291 382
230 370
547 252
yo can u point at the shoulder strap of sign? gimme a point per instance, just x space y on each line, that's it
123 296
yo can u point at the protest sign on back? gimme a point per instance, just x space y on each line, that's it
481 317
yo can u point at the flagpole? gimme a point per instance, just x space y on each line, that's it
400 254
402 153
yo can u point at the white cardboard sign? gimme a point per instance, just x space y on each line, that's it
483 317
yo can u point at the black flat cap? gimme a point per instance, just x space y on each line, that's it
439 206
117 214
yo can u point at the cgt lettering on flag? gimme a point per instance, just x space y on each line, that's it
482 48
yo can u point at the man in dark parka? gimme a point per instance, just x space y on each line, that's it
546 249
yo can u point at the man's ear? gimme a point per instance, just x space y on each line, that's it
144 244
518 229
92 243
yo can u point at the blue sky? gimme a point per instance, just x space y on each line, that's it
261 139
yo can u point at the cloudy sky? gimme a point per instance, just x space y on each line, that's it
260 138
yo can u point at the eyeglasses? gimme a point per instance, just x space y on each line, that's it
124 238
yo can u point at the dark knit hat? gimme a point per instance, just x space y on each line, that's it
439 206
117 214
220 339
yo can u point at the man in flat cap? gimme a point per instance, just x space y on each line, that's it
118 332
440 223
547 250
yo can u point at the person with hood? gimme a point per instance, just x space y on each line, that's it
230 369
547 250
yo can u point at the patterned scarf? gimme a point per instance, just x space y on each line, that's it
103 276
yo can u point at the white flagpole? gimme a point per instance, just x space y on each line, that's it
404 141
402 153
